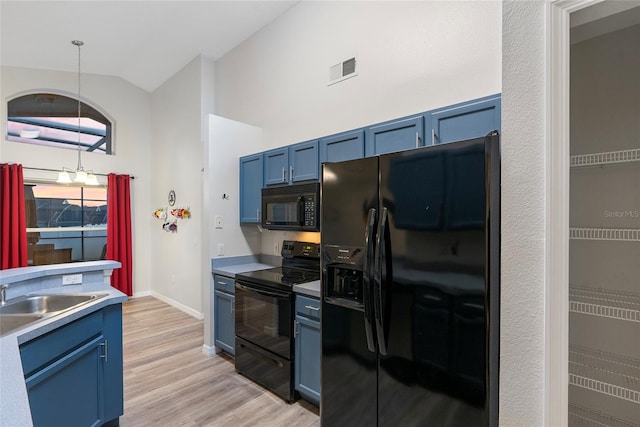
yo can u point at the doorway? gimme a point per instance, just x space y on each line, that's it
604 218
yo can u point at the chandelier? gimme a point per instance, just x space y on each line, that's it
81 176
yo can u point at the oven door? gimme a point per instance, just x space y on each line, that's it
263 317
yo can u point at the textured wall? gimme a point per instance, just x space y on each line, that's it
523 214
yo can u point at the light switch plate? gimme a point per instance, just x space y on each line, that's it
218 221
72 279
220 249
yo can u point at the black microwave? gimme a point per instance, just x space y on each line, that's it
291 207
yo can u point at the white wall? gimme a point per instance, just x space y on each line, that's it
178 164
522 323
412 56
129 106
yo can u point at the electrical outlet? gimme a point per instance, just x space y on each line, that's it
275 248
220 249
72 279
218 221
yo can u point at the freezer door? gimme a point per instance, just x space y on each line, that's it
349 195
431 287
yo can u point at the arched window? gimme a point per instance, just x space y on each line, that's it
52 120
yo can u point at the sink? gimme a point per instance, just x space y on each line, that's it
11 322
46 304
22 311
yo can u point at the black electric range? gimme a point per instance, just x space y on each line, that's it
264 303
300 264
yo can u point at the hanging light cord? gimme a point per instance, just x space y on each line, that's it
78 43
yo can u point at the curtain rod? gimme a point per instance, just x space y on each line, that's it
58 170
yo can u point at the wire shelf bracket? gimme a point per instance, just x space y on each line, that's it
608 158
618 234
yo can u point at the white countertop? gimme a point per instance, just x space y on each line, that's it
232 270
311 289
14 401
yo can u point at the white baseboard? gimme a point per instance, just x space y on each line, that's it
141 294
209 350
176 304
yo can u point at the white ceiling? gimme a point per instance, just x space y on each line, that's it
144 42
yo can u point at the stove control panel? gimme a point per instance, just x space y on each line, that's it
294 248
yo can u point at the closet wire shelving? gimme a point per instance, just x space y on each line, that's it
586 417
606 373
608 158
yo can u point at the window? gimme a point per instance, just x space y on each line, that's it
52 120
65 223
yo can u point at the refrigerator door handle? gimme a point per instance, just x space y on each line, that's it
366 280
377 283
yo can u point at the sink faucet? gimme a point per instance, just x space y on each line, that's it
3 294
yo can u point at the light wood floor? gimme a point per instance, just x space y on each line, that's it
168 381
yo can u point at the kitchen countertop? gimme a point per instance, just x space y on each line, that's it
232 270
311 289
14 401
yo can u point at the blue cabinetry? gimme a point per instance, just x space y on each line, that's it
307 340
295 163
276 166
250 188
74 374
344 146
396 135
467 120
303 161
224 306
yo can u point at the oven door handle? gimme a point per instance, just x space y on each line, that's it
262 291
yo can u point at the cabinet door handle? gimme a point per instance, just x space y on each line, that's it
291 173
310 307
284 171
233 307
417 140
295 328
105 351
433 136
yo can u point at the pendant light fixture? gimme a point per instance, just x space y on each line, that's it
81 176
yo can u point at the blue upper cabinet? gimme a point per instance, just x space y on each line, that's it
250 188
467 120
344 146
303 161
276 166
397 135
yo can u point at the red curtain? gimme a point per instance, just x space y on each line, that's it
13 220
119 231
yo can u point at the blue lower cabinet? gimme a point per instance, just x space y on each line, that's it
74 374
224 317
224 306
308 351
467 120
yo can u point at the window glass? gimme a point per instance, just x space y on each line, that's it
65 223
52 120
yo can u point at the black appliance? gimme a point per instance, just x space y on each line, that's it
291 207
410 287
264 317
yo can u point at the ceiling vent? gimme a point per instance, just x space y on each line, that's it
342 71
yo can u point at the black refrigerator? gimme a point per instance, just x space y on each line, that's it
410 287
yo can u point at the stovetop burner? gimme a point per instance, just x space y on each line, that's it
300 264
282 276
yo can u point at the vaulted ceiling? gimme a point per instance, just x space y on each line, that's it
143 42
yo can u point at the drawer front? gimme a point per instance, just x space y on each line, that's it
44 349
308 307
224 283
